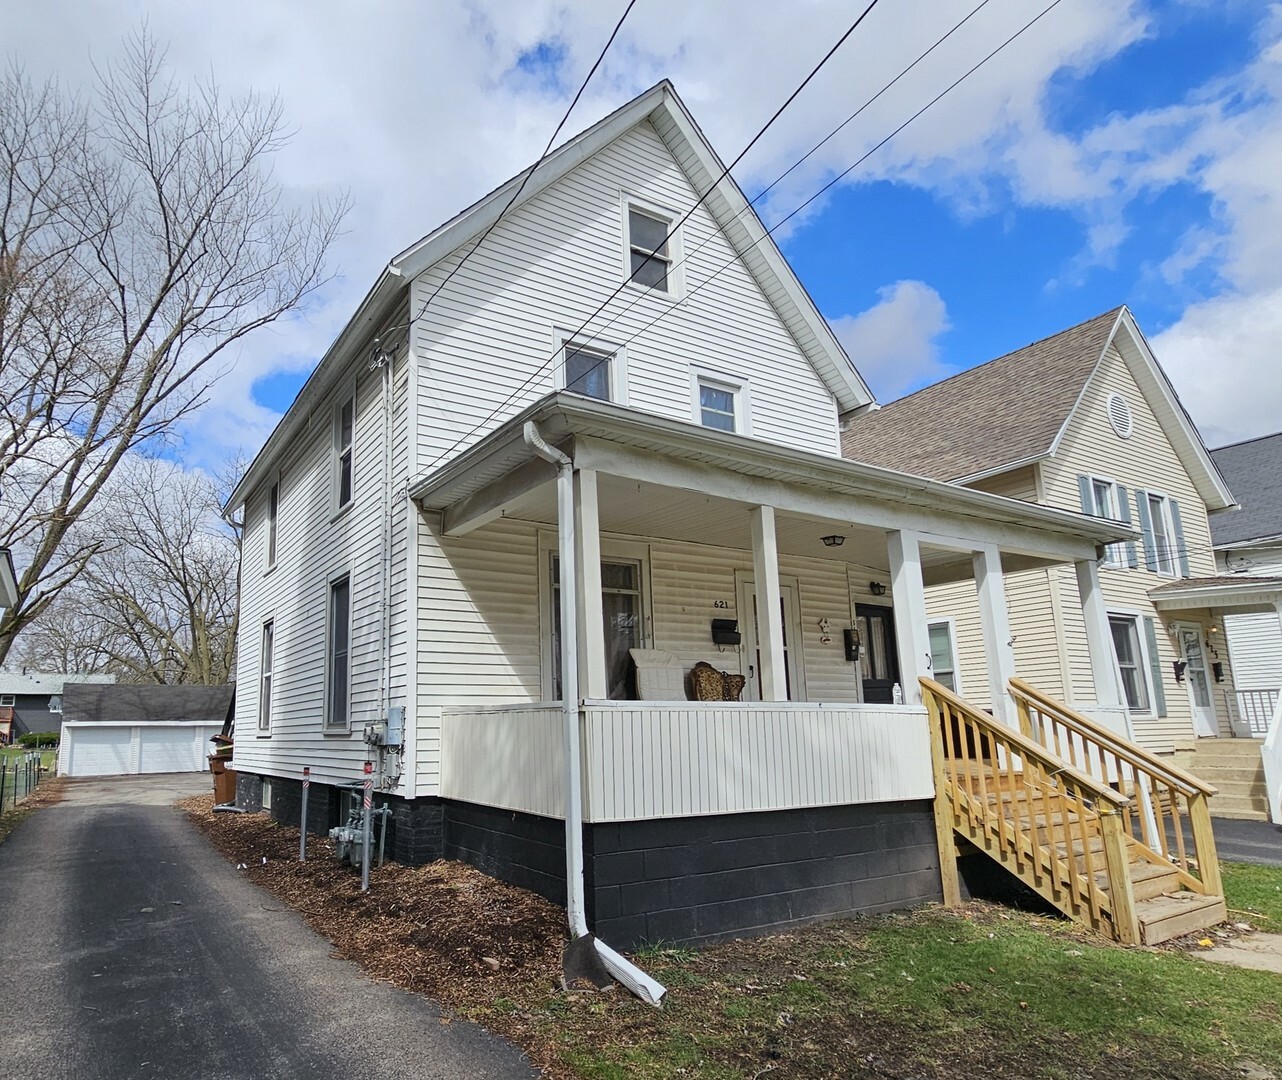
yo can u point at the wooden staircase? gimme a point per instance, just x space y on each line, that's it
1111 835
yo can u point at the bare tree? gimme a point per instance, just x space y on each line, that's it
140 236
158 603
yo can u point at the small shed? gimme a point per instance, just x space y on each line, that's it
126 730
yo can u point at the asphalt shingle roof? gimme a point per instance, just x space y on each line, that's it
45 682
996 414
1222 582
195 704
1253 471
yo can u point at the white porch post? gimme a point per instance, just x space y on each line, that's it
587 563
765 569
909 597
1099 637
994 619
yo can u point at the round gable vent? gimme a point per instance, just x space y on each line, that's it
1119 416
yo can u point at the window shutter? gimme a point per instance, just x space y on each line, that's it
1124 505
1180 547
1086 495
1155 667
1146 527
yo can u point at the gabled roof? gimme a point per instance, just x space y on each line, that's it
1254 470
1015 410
44 682
134 704
726 203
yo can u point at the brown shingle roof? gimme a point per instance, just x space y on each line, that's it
1222 582
1007 410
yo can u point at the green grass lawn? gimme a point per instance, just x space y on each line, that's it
976 992
9 753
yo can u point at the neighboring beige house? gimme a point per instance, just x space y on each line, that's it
1084 420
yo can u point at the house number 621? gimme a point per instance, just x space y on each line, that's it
721 603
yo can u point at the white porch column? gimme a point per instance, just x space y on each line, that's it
765 572
1099 636
994 619
909 597
587 559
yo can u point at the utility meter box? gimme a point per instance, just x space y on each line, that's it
396 725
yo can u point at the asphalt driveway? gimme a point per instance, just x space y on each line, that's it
133 949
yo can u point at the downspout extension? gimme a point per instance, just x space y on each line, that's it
621 969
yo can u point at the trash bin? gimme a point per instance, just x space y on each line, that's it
224 781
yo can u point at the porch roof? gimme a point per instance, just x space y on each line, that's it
1237 593
483 482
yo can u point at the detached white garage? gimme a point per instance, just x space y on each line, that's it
126 730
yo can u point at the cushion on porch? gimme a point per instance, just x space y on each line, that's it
660 675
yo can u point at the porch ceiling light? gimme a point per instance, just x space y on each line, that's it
835 540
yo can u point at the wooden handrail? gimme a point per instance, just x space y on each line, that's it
1030 748
1135 755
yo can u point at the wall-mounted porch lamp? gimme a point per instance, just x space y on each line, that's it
876 588
836 540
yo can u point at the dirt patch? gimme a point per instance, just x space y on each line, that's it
922 995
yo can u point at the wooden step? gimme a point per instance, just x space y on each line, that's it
1173 915
1147 879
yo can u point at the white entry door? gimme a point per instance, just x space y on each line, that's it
752 641
1196 678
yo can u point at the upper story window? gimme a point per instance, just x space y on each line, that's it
1159 512
649 249
587 372
344 435
273 510
7 701
1107 499
719 401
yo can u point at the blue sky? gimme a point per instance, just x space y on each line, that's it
1123 151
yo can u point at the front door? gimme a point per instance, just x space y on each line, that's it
752 641
1193 653
878 658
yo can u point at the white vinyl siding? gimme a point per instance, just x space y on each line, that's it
315 547
552 263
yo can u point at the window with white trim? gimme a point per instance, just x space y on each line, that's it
344 437
943 654
649 249
1132 664
267 792
1159 510
265 660
339 656
1107 504
273 511
588 371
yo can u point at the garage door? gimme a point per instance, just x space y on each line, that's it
99 752
90 749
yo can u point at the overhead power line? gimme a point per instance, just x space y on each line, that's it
680 221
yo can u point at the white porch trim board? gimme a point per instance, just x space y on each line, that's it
587 592
994 619
908 593
645 760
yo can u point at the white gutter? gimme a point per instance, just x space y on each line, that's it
619 968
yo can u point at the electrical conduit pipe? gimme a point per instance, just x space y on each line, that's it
623 970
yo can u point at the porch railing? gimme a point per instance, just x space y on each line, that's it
1162 799
1055 827
644 760
1255 709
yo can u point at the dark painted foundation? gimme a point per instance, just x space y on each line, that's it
683 880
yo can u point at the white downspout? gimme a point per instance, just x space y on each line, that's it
620 968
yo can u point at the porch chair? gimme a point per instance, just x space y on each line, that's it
660 675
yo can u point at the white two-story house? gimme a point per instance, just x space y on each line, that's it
524 494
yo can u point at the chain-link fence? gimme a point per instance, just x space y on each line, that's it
19 777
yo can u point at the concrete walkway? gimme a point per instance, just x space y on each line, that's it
135 950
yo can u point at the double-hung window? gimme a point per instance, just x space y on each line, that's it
717 405
588 372
1130 661
1104 495
344 435
7 701
336 690
1159 510
273 511
649 249
265 677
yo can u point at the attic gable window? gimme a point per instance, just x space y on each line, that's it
651 247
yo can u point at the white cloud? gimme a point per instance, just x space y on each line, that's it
894 344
